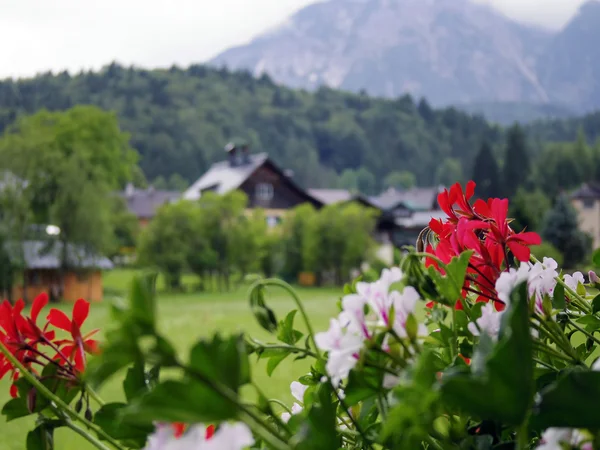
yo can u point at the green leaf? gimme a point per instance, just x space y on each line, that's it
263 314
41 438
223 361
596 258
142 299
449 286
504 390
558 299
318 429
275 360
570 402
361 386
596 304
180 401
110 419
286 332
135 381
15 408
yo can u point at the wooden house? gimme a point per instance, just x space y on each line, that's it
143 203
42 272
266 185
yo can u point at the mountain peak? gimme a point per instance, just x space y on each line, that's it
450 51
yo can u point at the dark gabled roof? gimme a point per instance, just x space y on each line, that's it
587 190
144 203
46 255
416 199
222 178
332 196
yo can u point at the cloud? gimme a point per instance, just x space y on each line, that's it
42 35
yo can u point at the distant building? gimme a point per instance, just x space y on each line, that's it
266 185
144 203
42 271
586 201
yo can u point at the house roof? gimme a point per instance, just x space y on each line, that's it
587 190
331 196
46 255
145 202
417 199
223 178
419 219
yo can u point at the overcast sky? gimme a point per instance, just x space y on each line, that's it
41 35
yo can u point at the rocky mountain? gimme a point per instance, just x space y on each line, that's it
449 51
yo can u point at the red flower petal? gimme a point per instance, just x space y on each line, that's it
59 319
178 429
81 310
210 432
19 306
79 358
521 252
470 190
14 392
38 304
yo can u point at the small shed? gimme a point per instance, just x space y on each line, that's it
83 278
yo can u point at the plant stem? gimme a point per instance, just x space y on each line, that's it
291 348
546 365
352 419
587 333
552 352
94 395
88 437
43 390
290 290
454 346
272 436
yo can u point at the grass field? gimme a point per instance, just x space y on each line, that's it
185 318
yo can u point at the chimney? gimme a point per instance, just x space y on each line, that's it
129 190
245 154
231 150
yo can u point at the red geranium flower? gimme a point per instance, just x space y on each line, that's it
74 349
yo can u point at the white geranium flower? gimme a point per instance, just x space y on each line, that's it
236 436
558 438
509 280
298 390
405 304
488 323
573 280
540 278
343 345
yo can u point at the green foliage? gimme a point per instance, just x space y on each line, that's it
180 119
486 173
400 180
504 388
448 172
560 228
516 161
70 163
548 250
528 209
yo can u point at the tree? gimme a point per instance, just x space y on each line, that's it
528 209
449 172
298 254
177 183
366 181
162 242
561 230
516 161
71 161
125 225
486 173
400 180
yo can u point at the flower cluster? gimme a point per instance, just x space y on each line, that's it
373 308
30 343
236 436
484 229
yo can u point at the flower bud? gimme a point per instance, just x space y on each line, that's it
31 400
88 414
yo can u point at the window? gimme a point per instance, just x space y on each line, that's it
264 192
588 203
273 221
